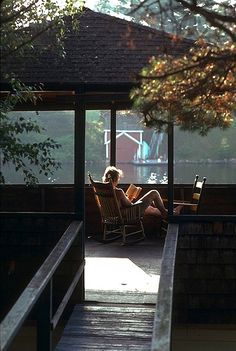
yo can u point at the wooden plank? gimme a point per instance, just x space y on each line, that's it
108 327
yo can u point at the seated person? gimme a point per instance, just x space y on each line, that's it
153 197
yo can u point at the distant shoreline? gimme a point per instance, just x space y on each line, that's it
165 163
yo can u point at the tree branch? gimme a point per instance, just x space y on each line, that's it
213 17
206 13
27 42
23 9
203 61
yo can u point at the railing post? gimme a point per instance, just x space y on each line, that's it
170 168
113 137
44 315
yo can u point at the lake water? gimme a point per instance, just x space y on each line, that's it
184 173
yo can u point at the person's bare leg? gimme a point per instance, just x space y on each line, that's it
153 196
178 209
159 204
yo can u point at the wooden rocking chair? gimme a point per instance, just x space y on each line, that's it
117 222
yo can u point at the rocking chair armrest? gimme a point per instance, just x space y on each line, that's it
184 203
180 202
137 203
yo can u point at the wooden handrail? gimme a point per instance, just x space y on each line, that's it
55 319
13 321
161 339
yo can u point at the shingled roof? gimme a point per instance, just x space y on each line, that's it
105 50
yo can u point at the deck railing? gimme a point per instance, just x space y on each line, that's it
161 339
39 290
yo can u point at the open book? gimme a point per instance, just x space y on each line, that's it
133 192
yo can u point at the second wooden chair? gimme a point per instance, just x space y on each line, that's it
188 207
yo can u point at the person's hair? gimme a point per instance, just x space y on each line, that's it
113 173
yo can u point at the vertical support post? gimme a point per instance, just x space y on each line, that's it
44 315
170 168
79 158
113 137
79 178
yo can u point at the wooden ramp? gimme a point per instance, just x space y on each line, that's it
111 327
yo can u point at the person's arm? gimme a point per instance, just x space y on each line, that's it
122 198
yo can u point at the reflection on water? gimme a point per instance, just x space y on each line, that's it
184 173
132 173
143 174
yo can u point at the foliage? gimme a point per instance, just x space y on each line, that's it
210 19
94 148
196 91
14 149
119 7
172 16
219 145
57 125
22 23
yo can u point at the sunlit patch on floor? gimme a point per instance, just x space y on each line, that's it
118 274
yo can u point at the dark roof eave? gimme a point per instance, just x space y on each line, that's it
79 87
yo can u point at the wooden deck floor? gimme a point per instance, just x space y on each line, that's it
121 291
123 274
111 327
